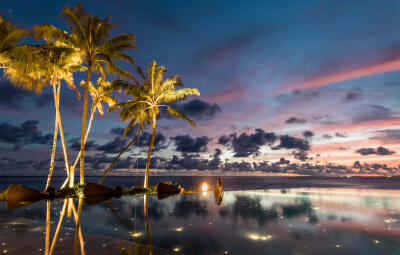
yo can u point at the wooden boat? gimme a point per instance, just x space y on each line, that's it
97 190
164 188
19 193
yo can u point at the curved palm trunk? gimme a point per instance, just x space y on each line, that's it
85 103
115 160
87 134
53 150
61 133
146 177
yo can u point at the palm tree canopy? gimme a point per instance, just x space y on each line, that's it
153 92
90 35
10 36
99 93
46 64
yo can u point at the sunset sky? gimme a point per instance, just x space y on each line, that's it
287 87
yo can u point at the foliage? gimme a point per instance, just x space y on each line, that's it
3 196
75 192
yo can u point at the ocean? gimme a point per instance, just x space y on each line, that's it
229 182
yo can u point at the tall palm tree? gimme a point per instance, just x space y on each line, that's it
99 93
154 92
10 37
90 36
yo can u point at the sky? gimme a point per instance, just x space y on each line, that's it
287 88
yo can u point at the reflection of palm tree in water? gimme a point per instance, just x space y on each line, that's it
78 232
146 216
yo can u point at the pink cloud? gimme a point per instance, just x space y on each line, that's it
323 79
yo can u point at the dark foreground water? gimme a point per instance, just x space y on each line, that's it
277 221
230 182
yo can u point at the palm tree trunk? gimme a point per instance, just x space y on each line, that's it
85 103
62 213
61 133
47 238
78 226
146 177
53 150
115 160
87 134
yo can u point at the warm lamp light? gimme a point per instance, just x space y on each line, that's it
205 187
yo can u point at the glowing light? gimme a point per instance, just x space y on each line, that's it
376 241
258 237
179 229
204 187
137 234
204 193
176 249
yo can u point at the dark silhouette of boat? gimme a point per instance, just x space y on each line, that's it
19 193
97 190
164 188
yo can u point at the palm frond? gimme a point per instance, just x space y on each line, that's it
177 114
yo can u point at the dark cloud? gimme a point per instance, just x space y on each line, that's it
354 95
288 142
12 97
294 120
379 151
199 109
326 136
160 141
301 155
224 140
372 112
114 146
246 145
342 135
308 134
387 135
120 132
76 144
341 148
43 100
185 143
26 133
283 161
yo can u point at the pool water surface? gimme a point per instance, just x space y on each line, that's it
275 221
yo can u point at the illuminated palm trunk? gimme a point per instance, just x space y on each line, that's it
53 151
85 103
61 133
87 134
146 217
146 177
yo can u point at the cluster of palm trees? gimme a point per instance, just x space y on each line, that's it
88 48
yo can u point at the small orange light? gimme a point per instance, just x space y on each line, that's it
204 187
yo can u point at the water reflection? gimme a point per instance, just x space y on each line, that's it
296 221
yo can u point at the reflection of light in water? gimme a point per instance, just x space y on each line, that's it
204 193
257 237
179 229
137 234
176 249
376 241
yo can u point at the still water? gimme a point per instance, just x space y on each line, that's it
278 221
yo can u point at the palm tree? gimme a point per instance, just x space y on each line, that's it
90 36
50 65
99 93
148 97
10 37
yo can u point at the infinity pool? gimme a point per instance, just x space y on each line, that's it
289 221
